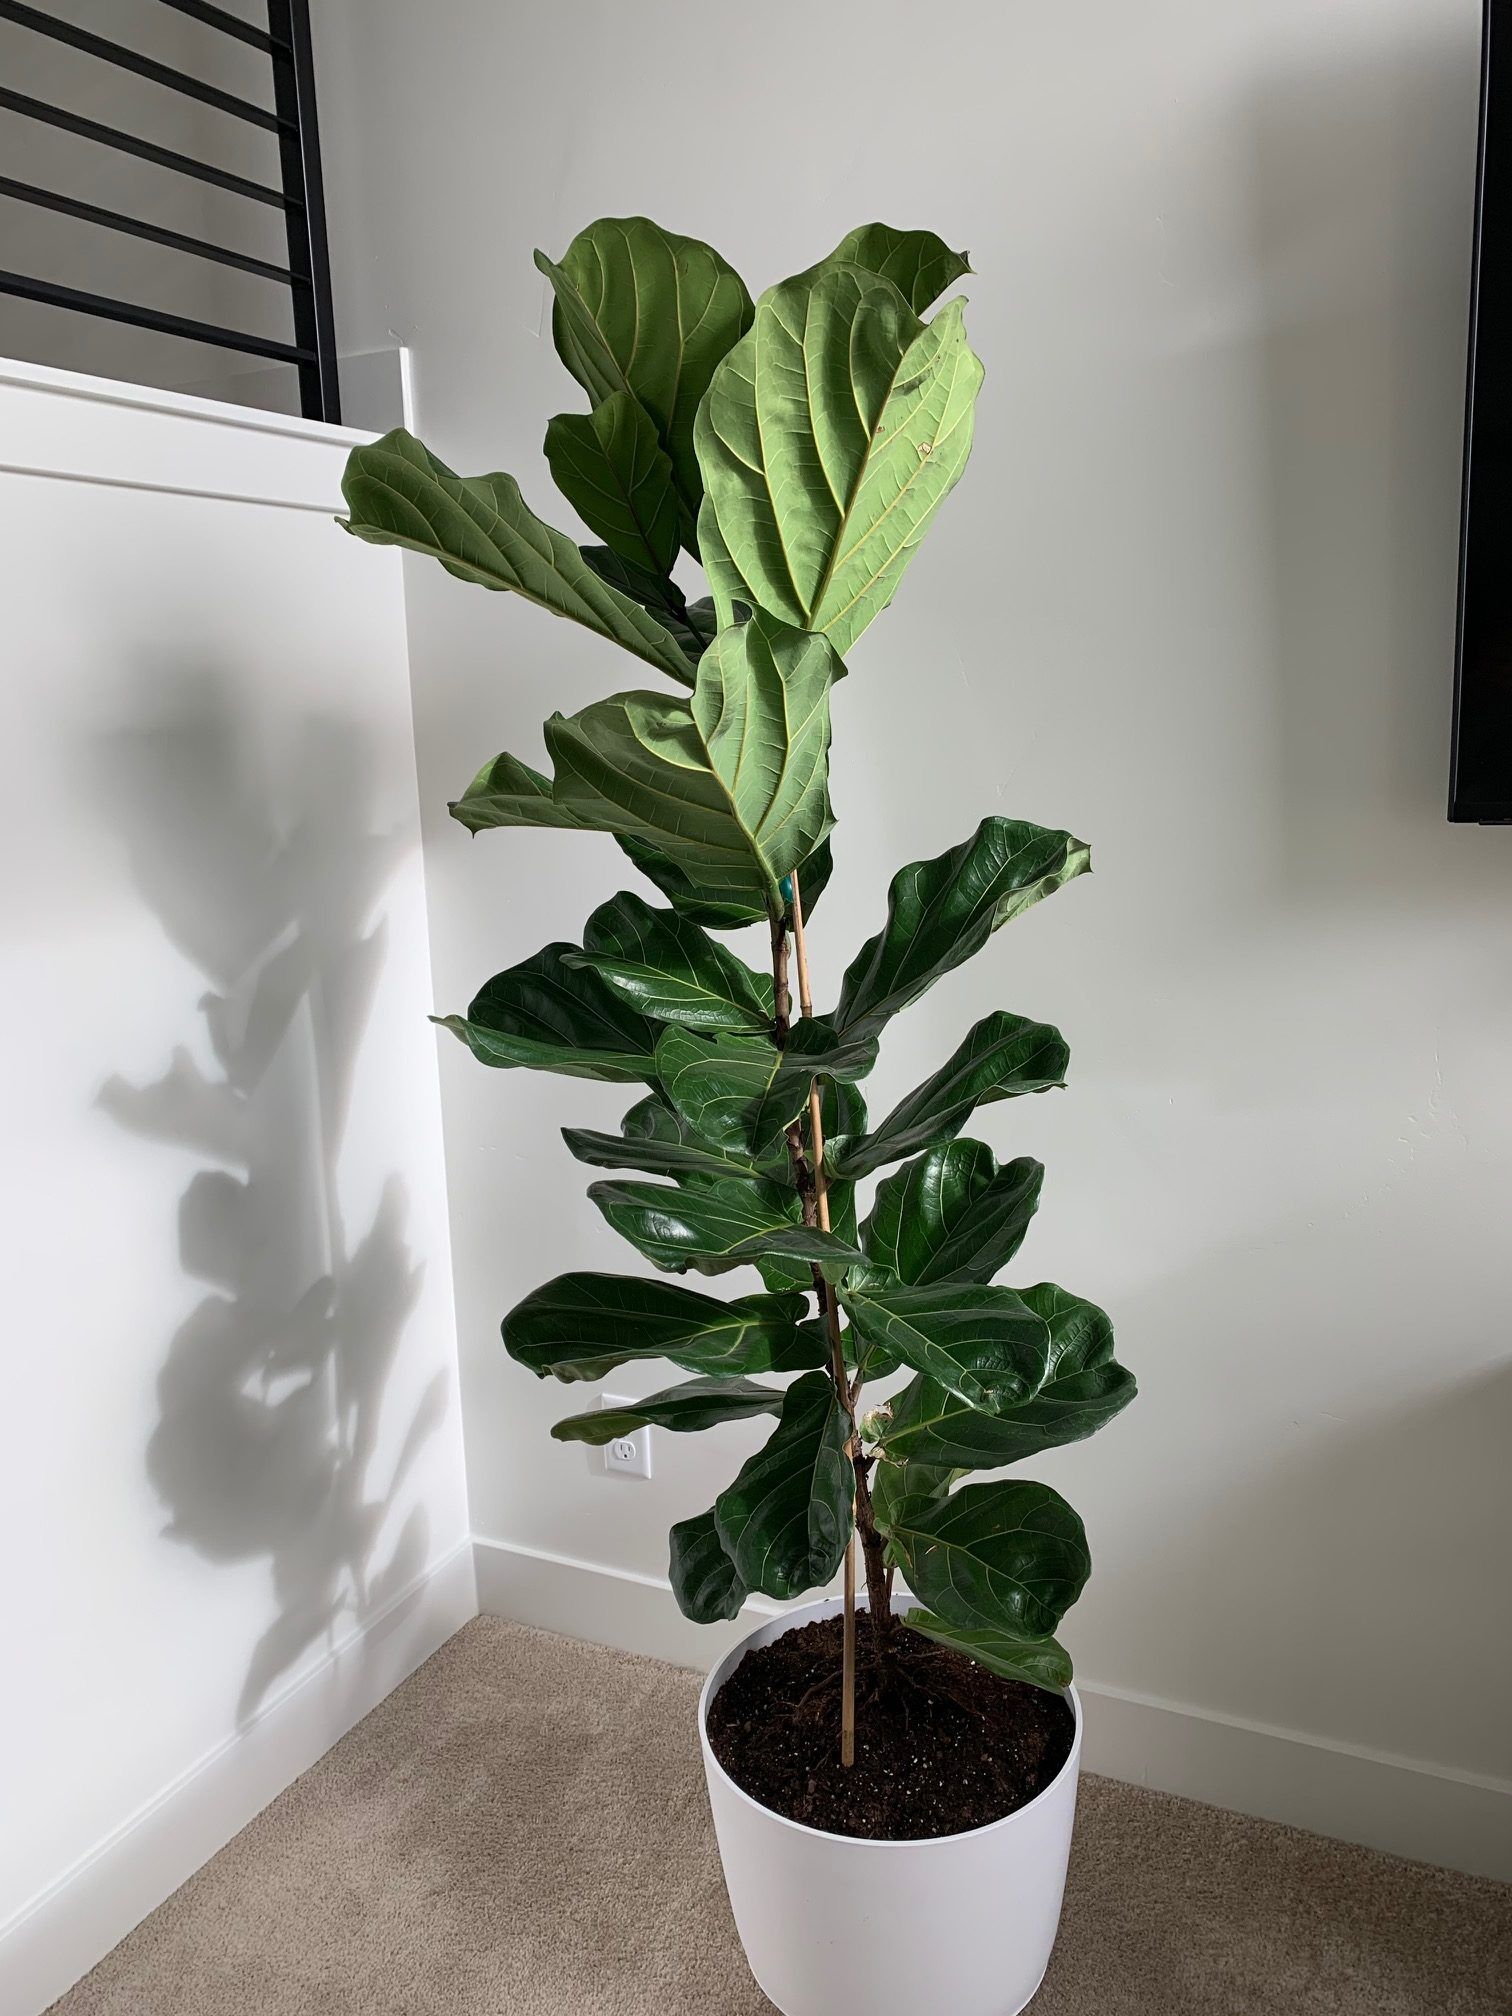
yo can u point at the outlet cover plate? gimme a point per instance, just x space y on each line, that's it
627 1455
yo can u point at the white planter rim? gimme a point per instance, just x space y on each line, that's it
808 1613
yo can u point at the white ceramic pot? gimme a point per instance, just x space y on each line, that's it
834 1926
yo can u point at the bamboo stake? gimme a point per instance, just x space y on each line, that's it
837 1349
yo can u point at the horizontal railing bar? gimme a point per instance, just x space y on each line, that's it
145 150
113 220
54 296
142 66
228 24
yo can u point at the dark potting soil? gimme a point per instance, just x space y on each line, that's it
942 1745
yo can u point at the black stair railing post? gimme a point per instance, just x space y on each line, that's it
304 196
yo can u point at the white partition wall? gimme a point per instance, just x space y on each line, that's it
233 1500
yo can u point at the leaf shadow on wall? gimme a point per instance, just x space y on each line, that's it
266 870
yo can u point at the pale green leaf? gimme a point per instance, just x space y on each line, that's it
830 436
919 264
610 467
481 530
645 311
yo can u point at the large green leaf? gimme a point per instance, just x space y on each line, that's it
740 1093
655 1137
702 1574
984 1344
1002 1057
1008 1557
734 786
481 529
715 1225
548 1015
507 792
1084 1387
697 1403
716 910
1042 1662
671 970
842 1109
942 911
581 1326
950 1215
829 438
919 264
786 1519
642 310
693 624
893 1484
610 467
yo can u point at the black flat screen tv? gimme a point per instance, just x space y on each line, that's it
1480 772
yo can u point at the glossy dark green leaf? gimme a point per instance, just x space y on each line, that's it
1002 1057
985 1344
611 468
702 1574
893 1484
842 1108
942 911
547 1015
1007 1557
721 1085
582 1325
696 1404
481 530
712 1226
642 310
670 969
920 265
693 624
951 1215
656 1138
733 786
717 911
1042 1662
1084 1387
786 1519
830 436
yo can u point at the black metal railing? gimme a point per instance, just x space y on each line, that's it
299 193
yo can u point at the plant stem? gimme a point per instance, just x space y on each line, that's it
874 1551
843 1391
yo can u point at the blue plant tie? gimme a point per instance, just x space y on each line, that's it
785 888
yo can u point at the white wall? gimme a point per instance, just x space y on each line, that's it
1195 600
231 1483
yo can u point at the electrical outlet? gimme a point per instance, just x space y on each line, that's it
627 1455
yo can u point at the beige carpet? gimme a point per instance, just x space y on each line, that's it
520 1830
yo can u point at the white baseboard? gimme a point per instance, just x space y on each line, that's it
1390 1803
73 1924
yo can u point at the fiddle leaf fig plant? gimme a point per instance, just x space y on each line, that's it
797 449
